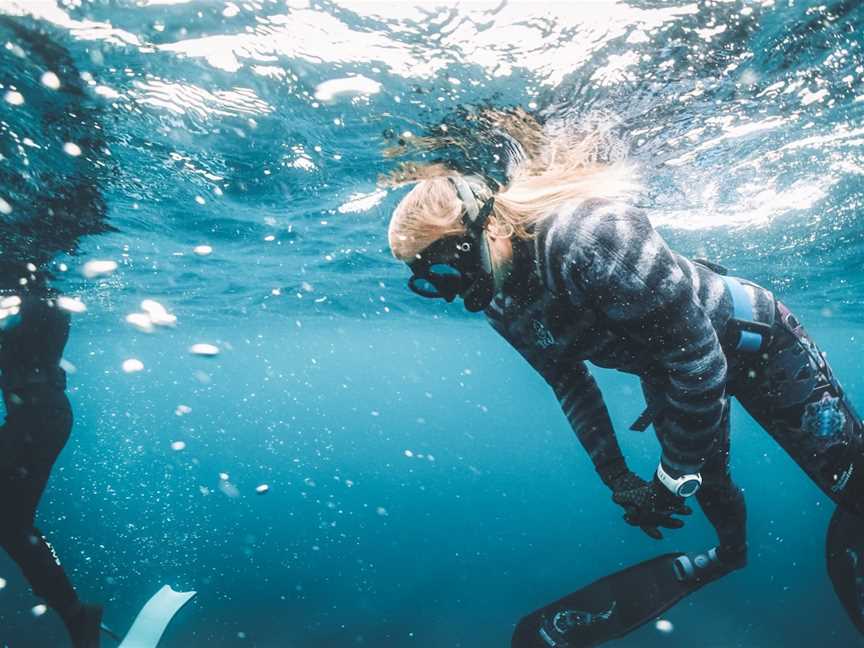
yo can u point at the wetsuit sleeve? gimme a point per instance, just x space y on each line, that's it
615 260
581 401
583 405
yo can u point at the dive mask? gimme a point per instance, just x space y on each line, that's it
458 265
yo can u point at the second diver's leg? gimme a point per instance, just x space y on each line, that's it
792 392
48 580
41 567
37 427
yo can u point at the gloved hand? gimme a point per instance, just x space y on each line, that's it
647 505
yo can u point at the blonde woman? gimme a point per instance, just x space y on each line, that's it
569 272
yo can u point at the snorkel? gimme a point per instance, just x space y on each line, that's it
480 292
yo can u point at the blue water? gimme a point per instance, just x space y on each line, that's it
425 489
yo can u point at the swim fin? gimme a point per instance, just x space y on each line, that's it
845 555
150 624
619 603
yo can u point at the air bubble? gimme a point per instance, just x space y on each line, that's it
71 304
141 321
51 80
664 625
93 269
157 313
204 349
133 365
14 98
71 148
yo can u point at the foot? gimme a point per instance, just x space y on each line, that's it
85 626
707 566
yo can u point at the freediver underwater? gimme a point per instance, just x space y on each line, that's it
568 271
346 464
45 214
46 211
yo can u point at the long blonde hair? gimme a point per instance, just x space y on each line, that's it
552 166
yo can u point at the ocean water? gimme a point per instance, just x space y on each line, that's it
424 488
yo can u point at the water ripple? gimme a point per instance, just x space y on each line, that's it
259 129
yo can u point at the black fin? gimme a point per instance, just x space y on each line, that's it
617 604
844 551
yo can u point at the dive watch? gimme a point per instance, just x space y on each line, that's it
683 486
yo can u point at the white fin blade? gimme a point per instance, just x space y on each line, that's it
154 617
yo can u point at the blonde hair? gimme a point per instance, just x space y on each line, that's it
551 167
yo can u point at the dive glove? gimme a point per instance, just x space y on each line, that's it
648 505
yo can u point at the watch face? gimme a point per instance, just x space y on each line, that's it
688 488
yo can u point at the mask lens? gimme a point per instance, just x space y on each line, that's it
444 272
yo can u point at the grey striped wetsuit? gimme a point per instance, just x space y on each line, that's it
598 284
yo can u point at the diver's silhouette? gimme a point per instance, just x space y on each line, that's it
50 198
592 281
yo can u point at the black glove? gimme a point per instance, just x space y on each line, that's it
647 505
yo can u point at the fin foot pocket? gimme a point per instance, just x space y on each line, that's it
706 566
699 567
